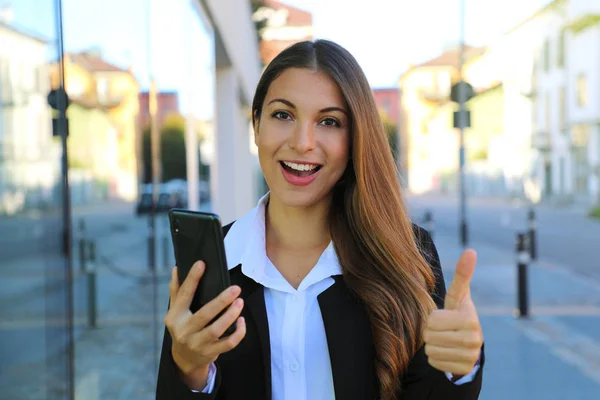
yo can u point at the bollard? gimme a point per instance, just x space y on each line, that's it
532 234
428 222
522 261
91 282
82 246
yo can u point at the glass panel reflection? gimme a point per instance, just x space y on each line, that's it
34 303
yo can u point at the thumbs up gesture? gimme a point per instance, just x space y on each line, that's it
453 336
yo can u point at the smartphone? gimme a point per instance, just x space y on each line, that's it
199 236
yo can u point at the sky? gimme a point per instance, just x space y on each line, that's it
384 35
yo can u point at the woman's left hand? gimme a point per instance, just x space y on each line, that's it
453 336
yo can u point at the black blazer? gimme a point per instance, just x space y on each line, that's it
245 372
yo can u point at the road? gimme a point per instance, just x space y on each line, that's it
566 237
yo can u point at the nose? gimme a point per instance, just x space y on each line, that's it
303 139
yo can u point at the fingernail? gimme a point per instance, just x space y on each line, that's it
239 303
234 289
199 266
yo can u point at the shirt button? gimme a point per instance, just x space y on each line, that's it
294 367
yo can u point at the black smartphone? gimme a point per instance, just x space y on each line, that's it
199 236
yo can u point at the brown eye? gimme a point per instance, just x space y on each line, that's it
282 115
331 122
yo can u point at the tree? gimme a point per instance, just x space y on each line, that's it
172 151
146 156
259 21
172 148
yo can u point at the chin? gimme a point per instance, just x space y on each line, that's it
300 198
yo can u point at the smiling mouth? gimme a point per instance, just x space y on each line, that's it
300 169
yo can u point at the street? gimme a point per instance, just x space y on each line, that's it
566 237
555 354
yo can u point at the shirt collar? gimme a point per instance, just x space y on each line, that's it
245 244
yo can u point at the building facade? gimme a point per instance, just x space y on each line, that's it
424 89
28 152
566 115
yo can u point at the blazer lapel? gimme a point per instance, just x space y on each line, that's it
350 343
254 298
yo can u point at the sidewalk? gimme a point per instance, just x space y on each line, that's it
117 359
553 355
573 208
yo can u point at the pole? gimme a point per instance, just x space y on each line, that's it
66 202
166 244
522 290
82 246
154 144
91 275
155 161
462 123
532 234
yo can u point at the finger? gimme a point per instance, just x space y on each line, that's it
231 341
218 328
186 291
451 339
210 310
455 368
461 284
446 320
451 354
173 286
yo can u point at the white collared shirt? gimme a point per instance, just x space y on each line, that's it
296 327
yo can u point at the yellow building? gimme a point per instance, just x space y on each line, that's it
112 92
429 144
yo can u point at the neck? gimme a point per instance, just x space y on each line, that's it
297 228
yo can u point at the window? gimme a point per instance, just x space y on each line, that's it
582 92
546 55
560 62
548 112
580 141
102 90
562 110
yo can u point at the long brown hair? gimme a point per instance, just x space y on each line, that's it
370 228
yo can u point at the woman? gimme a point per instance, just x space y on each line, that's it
335 294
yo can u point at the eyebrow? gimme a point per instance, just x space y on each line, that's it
324 110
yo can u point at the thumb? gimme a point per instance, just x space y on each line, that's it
460 288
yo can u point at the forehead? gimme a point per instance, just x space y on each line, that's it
306 87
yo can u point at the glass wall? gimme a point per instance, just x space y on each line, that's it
114 52
35 323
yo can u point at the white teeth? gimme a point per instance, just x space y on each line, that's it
300 167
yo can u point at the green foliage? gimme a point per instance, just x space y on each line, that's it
172 148
172 151
595 212
480 155
259 23
581 24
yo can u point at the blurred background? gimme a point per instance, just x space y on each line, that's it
493 115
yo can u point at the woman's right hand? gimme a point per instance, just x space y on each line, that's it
196 342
